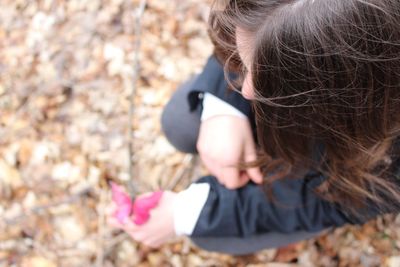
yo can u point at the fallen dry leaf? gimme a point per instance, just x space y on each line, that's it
66 79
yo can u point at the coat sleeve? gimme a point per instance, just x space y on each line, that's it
212 80
248 211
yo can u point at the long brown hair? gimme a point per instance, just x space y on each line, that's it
326 75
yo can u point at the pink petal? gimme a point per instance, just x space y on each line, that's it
118 194
142 206
122 201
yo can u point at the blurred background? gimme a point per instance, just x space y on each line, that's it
66 72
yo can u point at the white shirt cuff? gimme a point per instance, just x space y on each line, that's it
188 206
213 106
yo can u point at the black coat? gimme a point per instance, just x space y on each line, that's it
248 211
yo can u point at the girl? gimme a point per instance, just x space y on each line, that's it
322 83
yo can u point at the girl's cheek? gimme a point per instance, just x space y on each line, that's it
247 89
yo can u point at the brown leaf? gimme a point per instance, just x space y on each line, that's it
288 253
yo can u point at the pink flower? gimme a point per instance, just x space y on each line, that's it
122 201
140 208
143 205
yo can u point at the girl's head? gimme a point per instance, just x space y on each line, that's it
322 73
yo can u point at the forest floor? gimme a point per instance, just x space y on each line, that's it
66 72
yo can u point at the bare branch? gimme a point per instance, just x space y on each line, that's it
138 29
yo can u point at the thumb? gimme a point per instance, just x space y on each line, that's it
230 177
254 173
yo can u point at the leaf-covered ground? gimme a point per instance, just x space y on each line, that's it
65 77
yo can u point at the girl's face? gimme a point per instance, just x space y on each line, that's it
244 42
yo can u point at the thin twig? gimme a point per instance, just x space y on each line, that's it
100 230
138 17
188 160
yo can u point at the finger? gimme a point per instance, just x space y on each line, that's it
153 243
255 175
244 178
227 176
213 168
137 236
250 156
230 176
131 227
140 233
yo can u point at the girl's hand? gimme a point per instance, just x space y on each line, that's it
157 230
223 142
